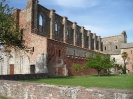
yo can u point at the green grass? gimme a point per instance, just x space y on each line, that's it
112 81
2 97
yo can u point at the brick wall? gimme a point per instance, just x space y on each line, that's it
23 76
25 90
78 60
61 58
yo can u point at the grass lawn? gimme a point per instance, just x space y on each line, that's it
112 81
2 97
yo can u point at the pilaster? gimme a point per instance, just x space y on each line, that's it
16 16
74 34
99 38
32 5
65 29
95 41
52 23
82 31
90 38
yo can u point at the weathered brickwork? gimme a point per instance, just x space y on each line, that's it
112 45
61 58
124 47
53 43
56 58
24 90
129 60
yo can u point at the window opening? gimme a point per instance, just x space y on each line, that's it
105 47
59 53
32 49
116 47
74 53
67 32
56 27
32 69
40 20
114 59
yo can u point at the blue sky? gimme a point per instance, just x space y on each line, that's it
103 17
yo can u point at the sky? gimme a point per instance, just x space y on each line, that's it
103 17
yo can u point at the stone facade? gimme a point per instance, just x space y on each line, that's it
25 90
128 47
54 43
124 47
112 45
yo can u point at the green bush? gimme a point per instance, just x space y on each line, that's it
77 67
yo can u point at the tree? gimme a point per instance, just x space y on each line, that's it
124 56
10 35
99 62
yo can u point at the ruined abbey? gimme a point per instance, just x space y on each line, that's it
54 44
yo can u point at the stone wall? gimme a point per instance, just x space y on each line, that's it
23 76
59 28
112 44
56 58
62 56
129 59
25 90
15 60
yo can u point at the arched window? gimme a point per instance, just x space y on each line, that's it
40 20
40 23
67 33
56 26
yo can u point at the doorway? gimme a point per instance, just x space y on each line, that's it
32 69
11 69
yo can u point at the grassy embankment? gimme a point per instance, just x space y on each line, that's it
111 81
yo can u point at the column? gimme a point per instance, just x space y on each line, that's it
65 29
74 34
99 38
94 37
90 38
52 23
82 31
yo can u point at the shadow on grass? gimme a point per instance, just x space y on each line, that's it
102 75
69 77
57 77
61 77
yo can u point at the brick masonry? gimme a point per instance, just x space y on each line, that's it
55 44
25 90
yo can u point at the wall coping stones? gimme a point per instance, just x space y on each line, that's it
28 90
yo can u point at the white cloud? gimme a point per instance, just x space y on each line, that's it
102 31
70 3
77 3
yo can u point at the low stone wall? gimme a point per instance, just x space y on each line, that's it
26 90
23 76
